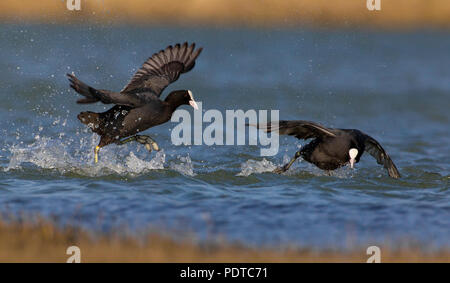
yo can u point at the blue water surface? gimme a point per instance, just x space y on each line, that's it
394 86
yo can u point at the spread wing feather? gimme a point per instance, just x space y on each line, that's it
163 68
377 151
299 129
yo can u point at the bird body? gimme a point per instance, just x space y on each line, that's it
330 153
331 148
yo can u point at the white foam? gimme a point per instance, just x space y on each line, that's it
138 166
67 157
40 153
262 166
186 167
256 167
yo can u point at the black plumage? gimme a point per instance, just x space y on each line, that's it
138 105
330 148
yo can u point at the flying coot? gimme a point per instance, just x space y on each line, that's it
138 105
331 148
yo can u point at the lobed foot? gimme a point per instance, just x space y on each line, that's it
149 143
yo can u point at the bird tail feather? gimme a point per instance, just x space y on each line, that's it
92 120
90 94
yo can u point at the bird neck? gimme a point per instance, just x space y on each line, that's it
171 106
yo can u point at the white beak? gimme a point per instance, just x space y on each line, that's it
352 163
193 104
192 101
353 153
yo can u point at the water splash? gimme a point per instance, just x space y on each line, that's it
263 166
138 166
65 157
186 167
41 153
256 167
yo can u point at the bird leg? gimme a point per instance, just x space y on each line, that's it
147 141
96 150
284 168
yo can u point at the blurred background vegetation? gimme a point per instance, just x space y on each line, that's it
323 13
40 240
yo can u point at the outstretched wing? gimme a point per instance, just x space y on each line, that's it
92 95
377 151
162 69
299 129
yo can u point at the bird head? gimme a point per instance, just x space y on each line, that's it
353 152
181 97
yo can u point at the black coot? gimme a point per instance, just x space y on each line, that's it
138 105
331 148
